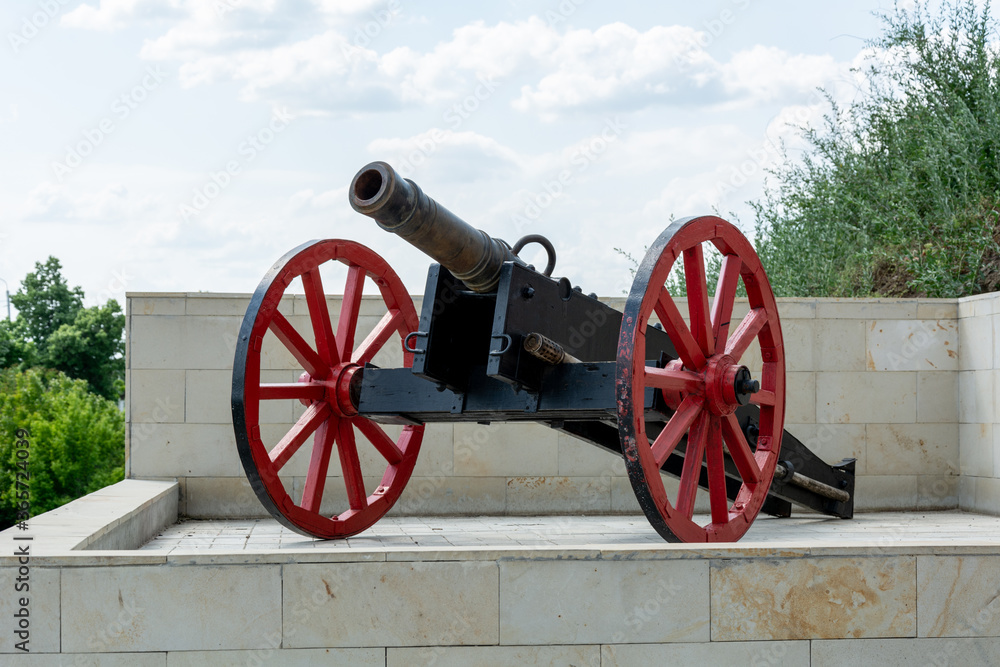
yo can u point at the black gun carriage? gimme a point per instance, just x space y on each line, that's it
499 341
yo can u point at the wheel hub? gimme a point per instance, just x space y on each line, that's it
342 389
728 385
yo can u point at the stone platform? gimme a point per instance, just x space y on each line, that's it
116 580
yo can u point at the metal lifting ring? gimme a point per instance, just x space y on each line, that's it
542 241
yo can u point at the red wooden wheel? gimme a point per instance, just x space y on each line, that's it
328 388
705 386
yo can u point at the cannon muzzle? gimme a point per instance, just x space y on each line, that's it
399 206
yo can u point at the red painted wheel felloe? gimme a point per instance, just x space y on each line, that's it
704 386
332 369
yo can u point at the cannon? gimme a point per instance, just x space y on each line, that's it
666 386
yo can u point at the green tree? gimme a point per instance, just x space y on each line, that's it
898 193
54 330
76 442
14 349
92 348
45 302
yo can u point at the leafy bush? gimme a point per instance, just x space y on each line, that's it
76 443
899 193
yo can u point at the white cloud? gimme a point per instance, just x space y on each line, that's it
117 14
348 64
48 202
768 74
466 155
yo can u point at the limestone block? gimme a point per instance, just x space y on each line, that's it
866 309
154 304
623 500
873 493
272 655
579 458
505 450
209 396
799 337
937 397
833 442
437 451
178 450
218 304
495 656
967 493
42 596
975 397
880 398
755 599
937 492
221 498
554 495
183 342
937 309
585 602
958 596
913 449
905 652
796 309
778 654
87 660
134 608
976 449
912 345
156 396
800 398
987 495
976 348
439 495
839 345
391 604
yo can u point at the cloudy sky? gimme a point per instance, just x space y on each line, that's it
185 145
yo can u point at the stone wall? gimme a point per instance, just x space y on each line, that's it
978 375
871 379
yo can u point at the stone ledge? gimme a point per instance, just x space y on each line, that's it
121 516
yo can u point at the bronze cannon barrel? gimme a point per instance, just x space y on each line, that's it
399 206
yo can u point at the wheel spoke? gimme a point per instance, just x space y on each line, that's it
675 429
319 315
349 308
725 297
677 329
319 464
310 420
697 294
716 463
350 466
376 339
746 332
380 440
297 345
762 397
739 450
671 380
292 390
691 472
